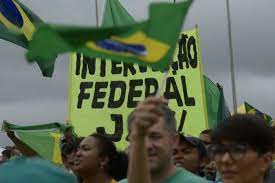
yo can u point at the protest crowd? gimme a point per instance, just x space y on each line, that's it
233 152
239 149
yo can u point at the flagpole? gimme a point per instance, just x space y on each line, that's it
97 16
231 58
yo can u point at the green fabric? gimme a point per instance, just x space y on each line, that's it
252 110
223 111
217 109
181 175
33 170
47 126
43 139
19 38
115 14
212 96
7 35
41 142
61 39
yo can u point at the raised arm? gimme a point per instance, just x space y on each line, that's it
22 147
145 115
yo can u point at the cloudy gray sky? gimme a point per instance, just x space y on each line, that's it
26 97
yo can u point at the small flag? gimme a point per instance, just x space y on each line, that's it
252 110
17 25
149 43
43 139
115 14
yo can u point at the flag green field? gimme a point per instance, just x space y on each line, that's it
43 139
147 43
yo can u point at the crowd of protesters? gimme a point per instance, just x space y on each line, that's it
239 150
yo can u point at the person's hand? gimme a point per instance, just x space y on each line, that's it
146 114
210 170
211 167
8 131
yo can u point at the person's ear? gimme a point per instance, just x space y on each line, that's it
266 161
104 161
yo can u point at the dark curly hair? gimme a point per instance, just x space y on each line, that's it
118 161
248 129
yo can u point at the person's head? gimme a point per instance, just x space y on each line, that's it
10 151
15 152
6 154
273 131
2 158
190 154
68 135
68 151
98 154
242 148
160 140
205 137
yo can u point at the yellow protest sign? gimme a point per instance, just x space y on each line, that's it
102 93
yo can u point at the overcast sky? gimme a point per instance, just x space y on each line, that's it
26 97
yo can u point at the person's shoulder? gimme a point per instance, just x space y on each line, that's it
123 181
187 176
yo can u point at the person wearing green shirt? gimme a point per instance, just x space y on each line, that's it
242 149
152 136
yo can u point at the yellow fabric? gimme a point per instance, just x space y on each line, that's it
113 120
56 150
241 109
113 181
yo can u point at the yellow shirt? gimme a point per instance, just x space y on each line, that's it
113 181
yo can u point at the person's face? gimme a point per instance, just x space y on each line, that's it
68 134
187 156
68 161
206 139
242 166
87 159
159 145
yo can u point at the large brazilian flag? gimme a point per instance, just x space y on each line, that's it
151 42
17 25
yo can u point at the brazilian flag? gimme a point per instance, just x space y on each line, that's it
17 25
44 139
252 110
148 43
